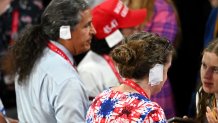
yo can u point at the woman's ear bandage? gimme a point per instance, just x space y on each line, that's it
156 75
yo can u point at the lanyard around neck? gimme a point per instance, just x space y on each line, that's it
60 52
128 82
135 86
110 62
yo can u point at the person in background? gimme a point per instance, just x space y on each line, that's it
207 95
211 32
112 21
48 87
211 29
143 60
15 15
162 18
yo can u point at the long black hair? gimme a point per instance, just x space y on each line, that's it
29 47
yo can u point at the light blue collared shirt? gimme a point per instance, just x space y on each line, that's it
53 93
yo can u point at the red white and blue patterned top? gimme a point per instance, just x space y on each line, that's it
124 107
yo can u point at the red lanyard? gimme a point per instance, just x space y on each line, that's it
135 86
110 62
127 81
14 25
60 52
15 21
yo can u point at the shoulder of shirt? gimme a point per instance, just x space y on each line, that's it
57 67
91 60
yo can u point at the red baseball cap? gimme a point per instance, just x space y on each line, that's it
111 15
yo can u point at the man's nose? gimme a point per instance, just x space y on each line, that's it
93 31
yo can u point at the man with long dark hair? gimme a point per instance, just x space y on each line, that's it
48 87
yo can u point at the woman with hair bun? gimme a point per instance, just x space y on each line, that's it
143 61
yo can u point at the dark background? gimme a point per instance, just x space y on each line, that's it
184 73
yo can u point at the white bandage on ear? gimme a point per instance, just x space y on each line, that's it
156 75
65 32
